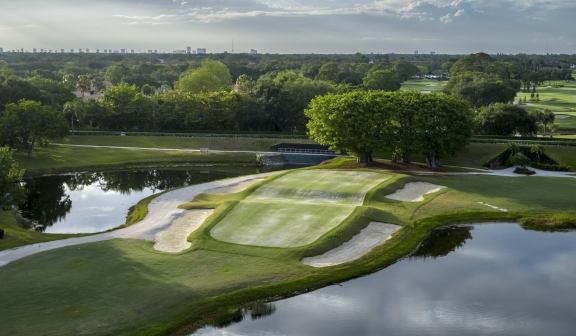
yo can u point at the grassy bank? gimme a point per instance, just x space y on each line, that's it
15 235
235 144
125 287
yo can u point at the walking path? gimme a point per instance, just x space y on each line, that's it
162 212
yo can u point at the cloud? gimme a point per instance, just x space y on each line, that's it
293 25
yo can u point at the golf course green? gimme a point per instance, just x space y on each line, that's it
125 287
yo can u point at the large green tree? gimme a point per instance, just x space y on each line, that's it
381 80
406 122
210 77
480 89
503 119
33 122
445 125
357 122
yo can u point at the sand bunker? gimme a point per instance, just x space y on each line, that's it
234 188
175 237
493 207
562 116
414 192
373 235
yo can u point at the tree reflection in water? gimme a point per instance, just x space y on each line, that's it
256 310
442 241
49 200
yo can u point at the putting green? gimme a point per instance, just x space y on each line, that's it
297 209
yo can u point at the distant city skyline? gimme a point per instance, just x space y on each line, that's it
287 26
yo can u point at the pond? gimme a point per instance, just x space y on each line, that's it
88 202
489 279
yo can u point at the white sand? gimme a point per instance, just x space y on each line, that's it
373 235
414 192
562 116
493 207
162 212
234 188
425 91
174 238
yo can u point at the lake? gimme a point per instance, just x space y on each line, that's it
88 202
489 279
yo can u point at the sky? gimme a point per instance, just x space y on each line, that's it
290 26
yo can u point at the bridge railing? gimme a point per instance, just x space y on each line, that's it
305 151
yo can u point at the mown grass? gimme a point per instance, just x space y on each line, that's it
55 158
125 287
232 144
424 85
16 236
296 209
560 100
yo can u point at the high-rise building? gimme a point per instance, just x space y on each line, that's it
123 51
201 50
132 51
62 50
179 52
253 51
34 50
41 50
188 50
87 50
72 50
80 51
432 53
22 50
155 51
415 52
1 50
150 51
97 51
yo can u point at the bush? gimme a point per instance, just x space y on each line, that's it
1 233
552 167
524 171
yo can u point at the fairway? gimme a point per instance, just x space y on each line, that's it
297 209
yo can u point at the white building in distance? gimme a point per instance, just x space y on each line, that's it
201 50
253 51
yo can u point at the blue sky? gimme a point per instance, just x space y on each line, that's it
289 26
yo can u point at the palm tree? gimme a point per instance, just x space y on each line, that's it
548 118
76 109
538 150
553 129
83 84
70 81
513 148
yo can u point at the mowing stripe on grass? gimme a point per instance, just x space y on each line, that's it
297 209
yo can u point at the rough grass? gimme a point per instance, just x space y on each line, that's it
231 144
15 235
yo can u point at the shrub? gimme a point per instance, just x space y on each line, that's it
524 171
552 167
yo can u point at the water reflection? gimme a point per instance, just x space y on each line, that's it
505 281
256 310
89 202
443 241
